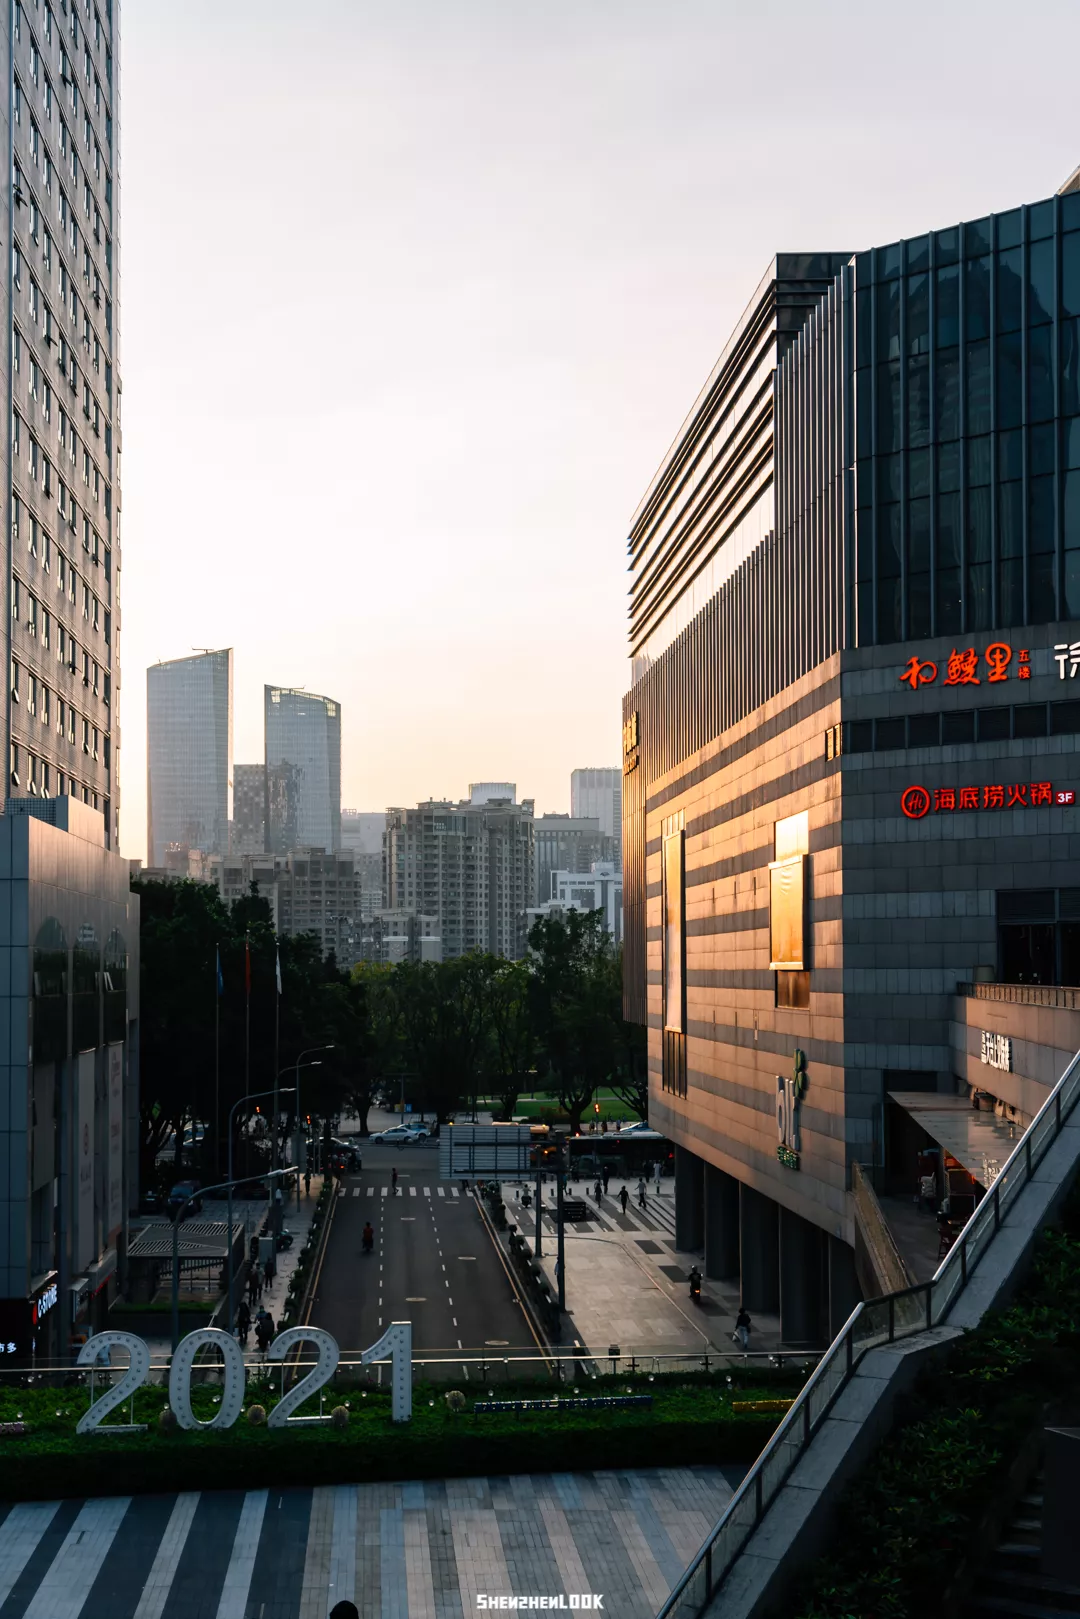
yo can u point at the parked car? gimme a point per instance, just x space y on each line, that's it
179 1196
400 1134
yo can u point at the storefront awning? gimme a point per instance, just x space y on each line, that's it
974 1136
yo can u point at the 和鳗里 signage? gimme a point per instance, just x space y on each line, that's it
969 667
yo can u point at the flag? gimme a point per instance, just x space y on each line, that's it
220 980
277 966
247 965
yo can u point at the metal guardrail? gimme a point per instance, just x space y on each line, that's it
1024 994
880 1321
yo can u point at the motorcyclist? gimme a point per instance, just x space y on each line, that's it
695 1284
368 1238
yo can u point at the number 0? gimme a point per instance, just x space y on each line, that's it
232 1393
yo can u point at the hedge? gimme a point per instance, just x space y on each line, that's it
688 1423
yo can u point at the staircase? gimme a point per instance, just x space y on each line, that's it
1012 1586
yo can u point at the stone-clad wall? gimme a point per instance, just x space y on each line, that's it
901 910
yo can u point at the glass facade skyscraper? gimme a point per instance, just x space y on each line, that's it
303 771
189 754
62 385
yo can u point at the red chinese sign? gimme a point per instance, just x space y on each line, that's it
919 801
962 668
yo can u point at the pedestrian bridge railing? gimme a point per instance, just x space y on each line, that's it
876 1322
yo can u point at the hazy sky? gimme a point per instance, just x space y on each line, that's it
414 297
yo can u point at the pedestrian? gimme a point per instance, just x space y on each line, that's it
624 1197
264 1329
344 1610
254 1284
393 1182
268 1273
641 1194
607 1177
243 1323
307 1182
656 1170
596 1192
743 1324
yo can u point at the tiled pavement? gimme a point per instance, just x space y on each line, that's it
420 1550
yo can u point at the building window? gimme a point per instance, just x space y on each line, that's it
674 953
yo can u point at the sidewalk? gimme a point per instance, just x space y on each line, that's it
627 1283
255 1215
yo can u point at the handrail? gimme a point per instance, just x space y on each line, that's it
875 1322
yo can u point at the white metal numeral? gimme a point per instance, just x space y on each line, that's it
232 1392
322 1372
138 1365
398 1340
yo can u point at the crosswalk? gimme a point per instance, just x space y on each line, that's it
414 1191
412 1550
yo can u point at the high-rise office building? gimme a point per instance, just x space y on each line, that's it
599 793
249 810
851 747
189 754
469 866
303 771
566 843
71 1000
63 391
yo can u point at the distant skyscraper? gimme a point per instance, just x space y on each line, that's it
599 793
189 754
249 810
303 771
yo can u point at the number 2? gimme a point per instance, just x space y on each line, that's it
133 1378
321 1372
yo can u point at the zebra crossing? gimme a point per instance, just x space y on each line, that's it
399 1551
384 1191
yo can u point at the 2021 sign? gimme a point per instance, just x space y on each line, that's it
395 1344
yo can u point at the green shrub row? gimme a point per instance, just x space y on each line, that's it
909 1521
690 1421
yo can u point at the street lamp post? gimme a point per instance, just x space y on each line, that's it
202 1192
257 1097
310 1052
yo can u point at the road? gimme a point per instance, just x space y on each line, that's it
434 1264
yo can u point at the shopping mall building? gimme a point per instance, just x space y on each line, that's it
851 754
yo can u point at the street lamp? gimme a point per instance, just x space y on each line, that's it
240 1101
310 1052
203 1191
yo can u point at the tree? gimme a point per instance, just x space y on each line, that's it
442 1010
573 1013
630 1076
511 1047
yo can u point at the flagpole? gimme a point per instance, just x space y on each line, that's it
217 1054
277 1037
247 1015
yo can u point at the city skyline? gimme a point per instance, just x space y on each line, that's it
509 276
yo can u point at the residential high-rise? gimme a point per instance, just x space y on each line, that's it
599 793
63 390
303 771
189 754
249 810
469 866
362 833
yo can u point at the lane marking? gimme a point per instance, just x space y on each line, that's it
442 1191
356 1191
454 1192
414 1298
454 1320
408 1219
384 1191
412 1191
496 1343
427 1191
371 1191
466 1256
459 1342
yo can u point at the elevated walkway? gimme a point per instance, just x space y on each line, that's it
779 1518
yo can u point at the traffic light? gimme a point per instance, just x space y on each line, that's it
596 1107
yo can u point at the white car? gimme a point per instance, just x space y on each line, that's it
399 1134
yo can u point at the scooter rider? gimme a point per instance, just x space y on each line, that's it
695 1284
368 1238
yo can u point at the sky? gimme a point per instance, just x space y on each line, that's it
415 297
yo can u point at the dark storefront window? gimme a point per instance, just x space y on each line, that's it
86 973
116 969
975 331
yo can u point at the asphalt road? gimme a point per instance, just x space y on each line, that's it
434 1264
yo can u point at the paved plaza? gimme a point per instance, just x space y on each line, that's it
422 1550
